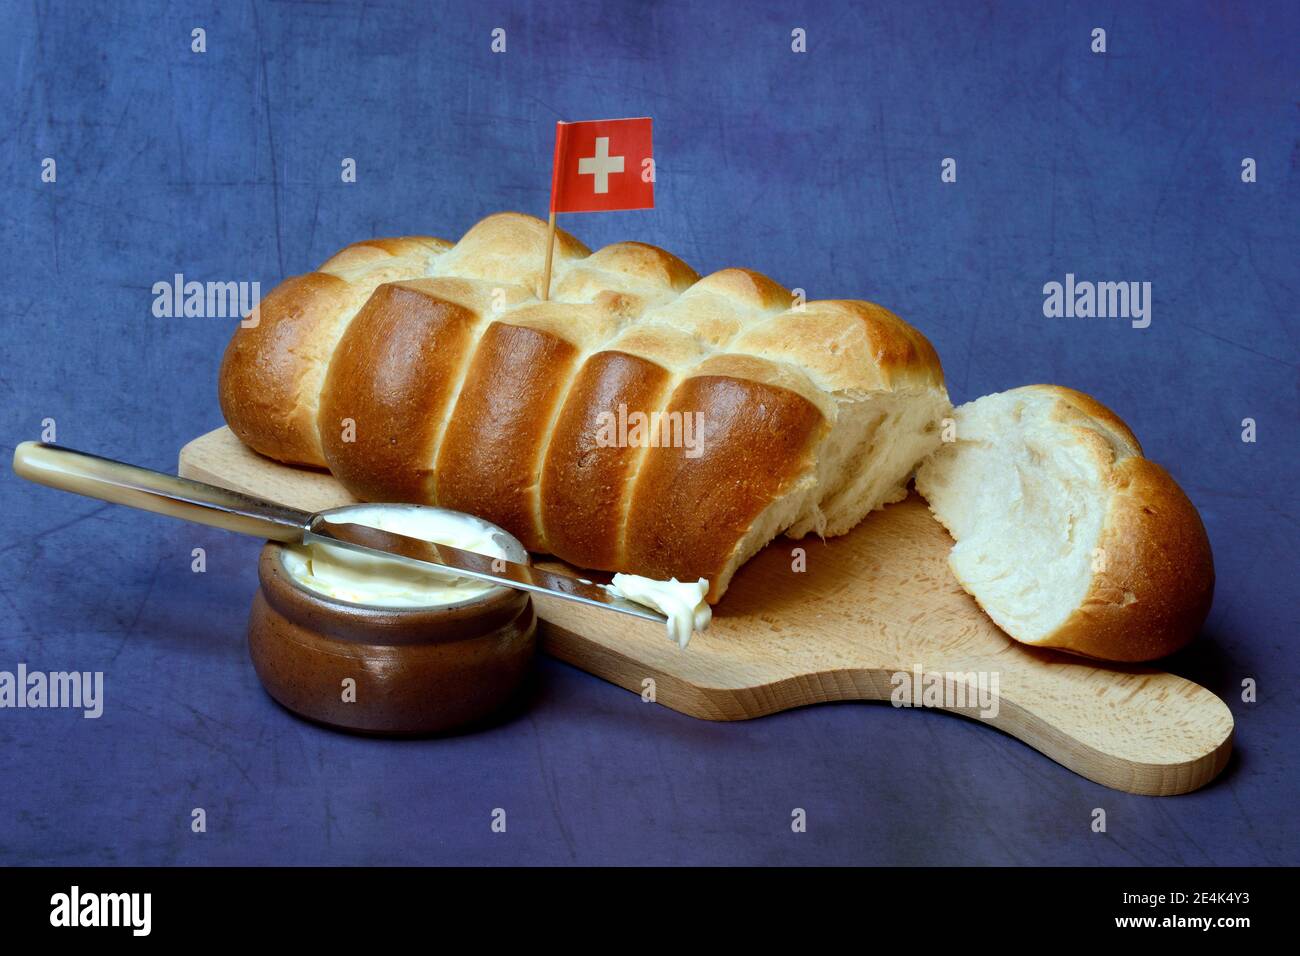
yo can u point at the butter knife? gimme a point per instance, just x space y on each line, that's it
136 487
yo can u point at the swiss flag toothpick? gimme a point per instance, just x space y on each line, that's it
600 165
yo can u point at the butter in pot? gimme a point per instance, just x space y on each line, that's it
362 579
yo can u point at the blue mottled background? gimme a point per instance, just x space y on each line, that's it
820 169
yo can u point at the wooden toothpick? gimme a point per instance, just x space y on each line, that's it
550 251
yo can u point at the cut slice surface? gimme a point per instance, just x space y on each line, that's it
1024 496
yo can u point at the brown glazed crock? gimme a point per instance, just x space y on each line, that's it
417 670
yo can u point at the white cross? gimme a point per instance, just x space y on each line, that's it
600 165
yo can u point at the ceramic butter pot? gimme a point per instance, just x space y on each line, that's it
370 649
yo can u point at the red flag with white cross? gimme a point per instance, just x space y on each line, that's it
602 165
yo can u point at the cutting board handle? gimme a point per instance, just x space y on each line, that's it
1128 726
136 487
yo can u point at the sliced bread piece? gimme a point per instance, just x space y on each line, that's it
1065 534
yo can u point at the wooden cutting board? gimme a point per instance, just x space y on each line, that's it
870 606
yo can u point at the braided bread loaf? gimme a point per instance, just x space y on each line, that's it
417 370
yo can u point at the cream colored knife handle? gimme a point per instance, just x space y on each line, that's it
124 484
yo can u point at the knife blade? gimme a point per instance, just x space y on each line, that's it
389 545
